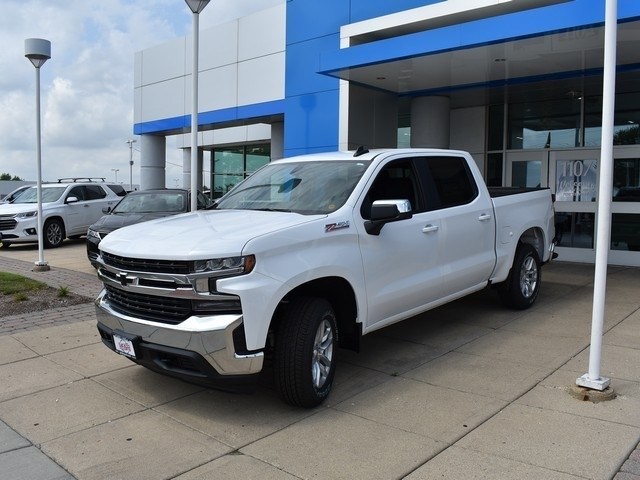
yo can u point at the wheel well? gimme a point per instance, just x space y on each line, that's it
343 300
48 219
534 237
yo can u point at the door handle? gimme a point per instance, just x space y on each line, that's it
430 228
484 217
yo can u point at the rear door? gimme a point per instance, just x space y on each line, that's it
88 208
467 227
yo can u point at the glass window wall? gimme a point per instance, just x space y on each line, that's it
626 180
575 229
625 232
232 165
548 124
626 130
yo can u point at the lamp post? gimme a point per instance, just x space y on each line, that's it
38 51
196 6
131 142
116 170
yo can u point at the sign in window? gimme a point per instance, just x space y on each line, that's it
576 180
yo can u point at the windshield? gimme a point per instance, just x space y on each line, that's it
153 202
50 194
308 188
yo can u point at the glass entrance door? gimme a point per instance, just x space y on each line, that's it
573 178
527 168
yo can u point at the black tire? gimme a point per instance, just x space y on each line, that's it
53 233
520 289
74 237
305 352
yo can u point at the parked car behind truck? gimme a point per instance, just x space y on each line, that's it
307 255
136 207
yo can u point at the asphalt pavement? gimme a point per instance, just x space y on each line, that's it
470 390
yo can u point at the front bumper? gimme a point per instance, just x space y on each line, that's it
205 353
93 252
16 230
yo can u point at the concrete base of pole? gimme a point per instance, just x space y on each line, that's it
600 383
589 395
41 267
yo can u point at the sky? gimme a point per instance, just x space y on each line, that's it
87 86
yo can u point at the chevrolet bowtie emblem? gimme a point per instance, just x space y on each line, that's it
123 279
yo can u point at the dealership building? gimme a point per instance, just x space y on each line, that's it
517 83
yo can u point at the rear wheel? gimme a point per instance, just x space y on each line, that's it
305 352
520 290
53 233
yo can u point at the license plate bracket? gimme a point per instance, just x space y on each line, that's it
125 343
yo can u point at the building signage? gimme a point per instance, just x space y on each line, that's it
576 180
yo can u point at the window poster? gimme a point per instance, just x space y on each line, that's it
576 180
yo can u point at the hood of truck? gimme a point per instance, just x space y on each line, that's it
200 235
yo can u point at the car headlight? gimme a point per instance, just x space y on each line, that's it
27 214
94 234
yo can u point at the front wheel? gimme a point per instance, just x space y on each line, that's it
53 233
520 289
305 352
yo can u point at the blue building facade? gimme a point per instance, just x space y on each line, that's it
517 83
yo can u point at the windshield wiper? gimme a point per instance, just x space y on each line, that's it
273 210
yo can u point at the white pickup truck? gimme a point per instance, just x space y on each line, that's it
310 253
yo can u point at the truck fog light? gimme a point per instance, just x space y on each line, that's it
30 231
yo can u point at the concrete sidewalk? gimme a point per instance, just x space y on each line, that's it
470 390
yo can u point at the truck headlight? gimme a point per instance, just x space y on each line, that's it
226 266
94 234
220 268
27 214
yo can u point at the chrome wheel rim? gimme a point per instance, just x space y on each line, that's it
322 354
528 277
54 234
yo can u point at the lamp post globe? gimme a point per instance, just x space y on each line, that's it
38 51
196 6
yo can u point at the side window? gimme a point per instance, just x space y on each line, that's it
203 202
77 192
118 190
451 181
396 181
94 192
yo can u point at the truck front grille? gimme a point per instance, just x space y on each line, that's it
146 265
149 307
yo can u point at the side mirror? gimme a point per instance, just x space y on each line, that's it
106 210
387 211
71 200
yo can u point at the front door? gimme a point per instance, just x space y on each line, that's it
402 263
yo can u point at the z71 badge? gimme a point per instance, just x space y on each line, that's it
336 226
